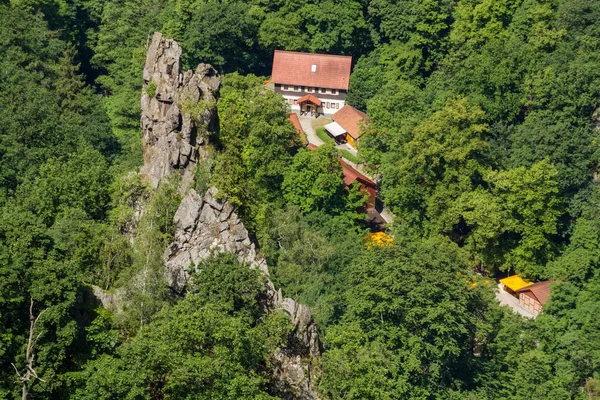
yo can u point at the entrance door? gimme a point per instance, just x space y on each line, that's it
308 108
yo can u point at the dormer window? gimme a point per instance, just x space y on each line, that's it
313 68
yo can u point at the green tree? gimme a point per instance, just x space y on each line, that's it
56 148
410 325
211 344
257 142
511 224
422 25
445 158
223 35
314 181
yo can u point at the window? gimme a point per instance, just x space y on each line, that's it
290 102
285 87
322 104
309 89
313 68
334 91
327 104
295 101
323 90
296 88
337 106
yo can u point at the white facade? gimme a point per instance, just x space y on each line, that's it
328 106
331 100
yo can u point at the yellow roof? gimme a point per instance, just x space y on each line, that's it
515 282
379 239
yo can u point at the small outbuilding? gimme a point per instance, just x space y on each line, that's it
533 297
296 122
367 186
351 121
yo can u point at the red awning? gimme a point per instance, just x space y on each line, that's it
311 99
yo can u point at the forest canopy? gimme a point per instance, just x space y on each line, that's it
484 119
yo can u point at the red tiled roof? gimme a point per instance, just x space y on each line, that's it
294 119
310 98
350 119
541 291
293 68
351 175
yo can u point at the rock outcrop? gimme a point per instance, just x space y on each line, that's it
178 110
178 116
297 371
206 224
110 301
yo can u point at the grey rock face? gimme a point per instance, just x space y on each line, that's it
110 301
178 115
178 110
206 224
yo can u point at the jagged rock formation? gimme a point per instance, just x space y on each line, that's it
178 110
203 225
298 371
178 115
206 224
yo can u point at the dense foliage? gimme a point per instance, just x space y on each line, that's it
484 121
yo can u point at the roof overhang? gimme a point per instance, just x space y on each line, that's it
335 129
310 99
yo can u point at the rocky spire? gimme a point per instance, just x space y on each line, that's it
178 115
178 110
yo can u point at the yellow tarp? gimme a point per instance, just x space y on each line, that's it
515 282
379 239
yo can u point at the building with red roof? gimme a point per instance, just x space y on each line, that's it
296 122
352 175
347 125
312 83
533 297
366 185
